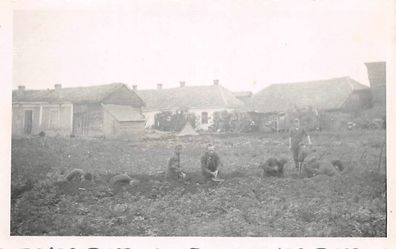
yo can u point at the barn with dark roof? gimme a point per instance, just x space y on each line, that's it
103 110
281 102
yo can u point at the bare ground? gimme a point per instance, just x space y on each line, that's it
245 204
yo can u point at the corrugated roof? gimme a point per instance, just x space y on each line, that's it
324 94
123 112
90 94
213 96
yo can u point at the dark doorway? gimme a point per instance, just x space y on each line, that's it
28 122
204 118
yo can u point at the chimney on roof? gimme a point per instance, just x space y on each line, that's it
134 87
182 83
159 86
216 82
21 89
57 90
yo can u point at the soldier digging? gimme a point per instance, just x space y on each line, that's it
210 163
175 172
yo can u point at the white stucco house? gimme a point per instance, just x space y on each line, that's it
202 100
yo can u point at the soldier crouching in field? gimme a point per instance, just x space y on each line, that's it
296 139
121 182
175 172
78 175
121 179
273 167
316 167
210 164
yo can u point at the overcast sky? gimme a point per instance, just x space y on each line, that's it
246 44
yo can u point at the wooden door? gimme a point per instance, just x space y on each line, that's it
80 124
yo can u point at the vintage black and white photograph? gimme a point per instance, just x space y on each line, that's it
200 118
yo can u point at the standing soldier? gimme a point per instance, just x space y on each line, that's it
210 163
174 168
296 137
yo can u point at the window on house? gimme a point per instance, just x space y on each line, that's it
204 118
53 119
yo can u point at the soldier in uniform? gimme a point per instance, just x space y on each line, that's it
210 164
316 167
273 167
296 139
174 168
77 175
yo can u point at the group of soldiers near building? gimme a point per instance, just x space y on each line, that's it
210 160
211 163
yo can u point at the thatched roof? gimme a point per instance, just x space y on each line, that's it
124 113
205 97
77 95
328 94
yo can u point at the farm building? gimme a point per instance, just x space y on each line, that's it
202 101
106 110
275 106
377 77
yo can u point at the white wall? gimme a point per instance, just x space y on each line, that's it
149 116
41 118
198 115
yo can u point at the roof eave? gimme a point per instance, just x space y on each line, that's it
190 108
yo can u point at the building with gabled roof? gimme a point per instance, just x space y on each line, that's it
279 101
331 94
203 101
103 110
